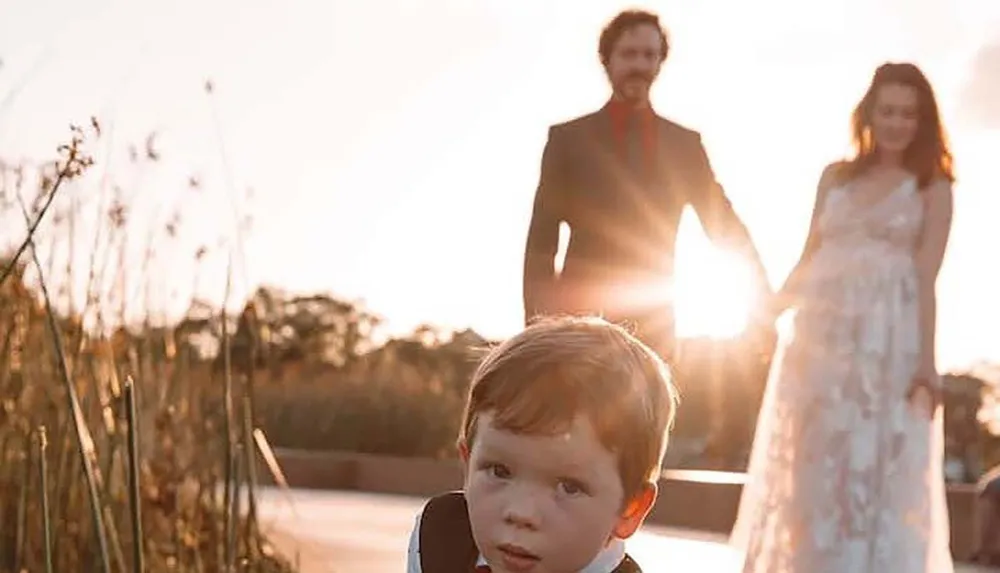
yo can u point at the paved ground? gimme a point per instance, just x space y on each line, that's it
341 532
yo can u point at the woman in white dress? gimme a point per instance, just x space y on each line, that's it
846 470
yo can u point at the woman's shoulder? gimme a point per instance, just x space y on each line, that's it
834 175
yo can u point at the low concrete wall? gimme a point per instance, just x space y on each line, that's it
701 500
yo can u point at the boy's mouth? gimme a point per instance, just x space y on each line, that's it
516 558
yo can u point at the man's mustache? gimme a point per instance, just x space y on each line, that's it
644 76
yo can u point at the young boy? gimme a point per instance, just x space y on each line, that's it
564 432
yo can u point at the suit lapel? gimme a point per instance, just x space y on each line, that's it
598 169
627 566
669 159
601 136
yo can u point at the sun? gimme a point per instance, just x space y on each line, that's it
713 290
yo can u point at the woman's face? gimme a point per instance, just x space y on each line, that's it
895 117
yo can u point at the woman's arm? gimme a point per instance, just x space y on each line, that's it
938 207
830 177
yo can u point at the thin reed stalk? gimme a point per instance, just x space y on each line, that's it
74 163
228 497
250 464
233 533
135 500
43 485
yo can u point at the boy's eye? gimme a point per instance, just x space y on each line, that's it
498 471
571 487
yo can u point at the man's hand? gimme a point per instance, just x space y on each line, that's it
762 334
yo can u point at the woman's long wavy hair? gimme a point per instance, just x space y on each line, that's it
928 156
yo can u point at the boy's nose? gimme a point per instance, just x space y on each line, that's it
523 511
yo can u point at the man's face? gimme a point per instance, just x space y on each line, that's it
634 63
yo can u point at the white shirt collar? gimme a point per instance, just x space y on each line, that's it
605 562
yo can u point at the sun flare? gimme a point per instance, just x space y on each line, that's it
713 290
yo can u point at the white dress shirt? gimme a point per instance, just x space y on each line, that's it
605 562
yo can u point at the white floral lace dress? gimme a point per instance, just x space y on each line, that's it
845 476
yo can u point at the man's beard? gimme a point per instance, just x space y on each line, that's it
637 92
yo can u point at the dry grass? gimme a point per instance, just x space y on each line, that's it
112 449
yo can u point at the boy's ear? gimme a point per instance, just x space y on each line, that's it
463 455
636 510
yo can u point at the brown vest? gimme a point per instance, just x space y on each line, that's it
446 543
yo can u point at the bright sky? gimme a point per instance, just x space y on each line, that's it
393 145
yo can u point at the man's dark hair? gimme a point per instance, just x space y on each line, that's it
625 21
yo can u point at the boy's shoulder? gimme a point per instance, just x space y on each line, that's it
446 512
446 542
628 565
446 502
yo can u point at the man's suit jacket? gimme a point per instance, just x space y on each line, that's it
623 228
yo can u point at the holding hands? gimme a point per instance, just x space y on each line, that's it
762 333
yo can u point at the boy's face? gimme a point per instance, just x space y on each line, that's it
546 504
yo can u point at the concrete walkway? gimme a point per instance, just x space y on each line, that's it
341 532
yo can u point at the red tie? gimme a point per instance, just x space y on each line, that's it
483 569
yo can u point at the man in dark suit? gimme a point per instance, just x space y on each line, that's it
620 178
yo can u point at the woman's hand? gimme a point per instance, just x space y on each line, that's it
773 306
925 393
